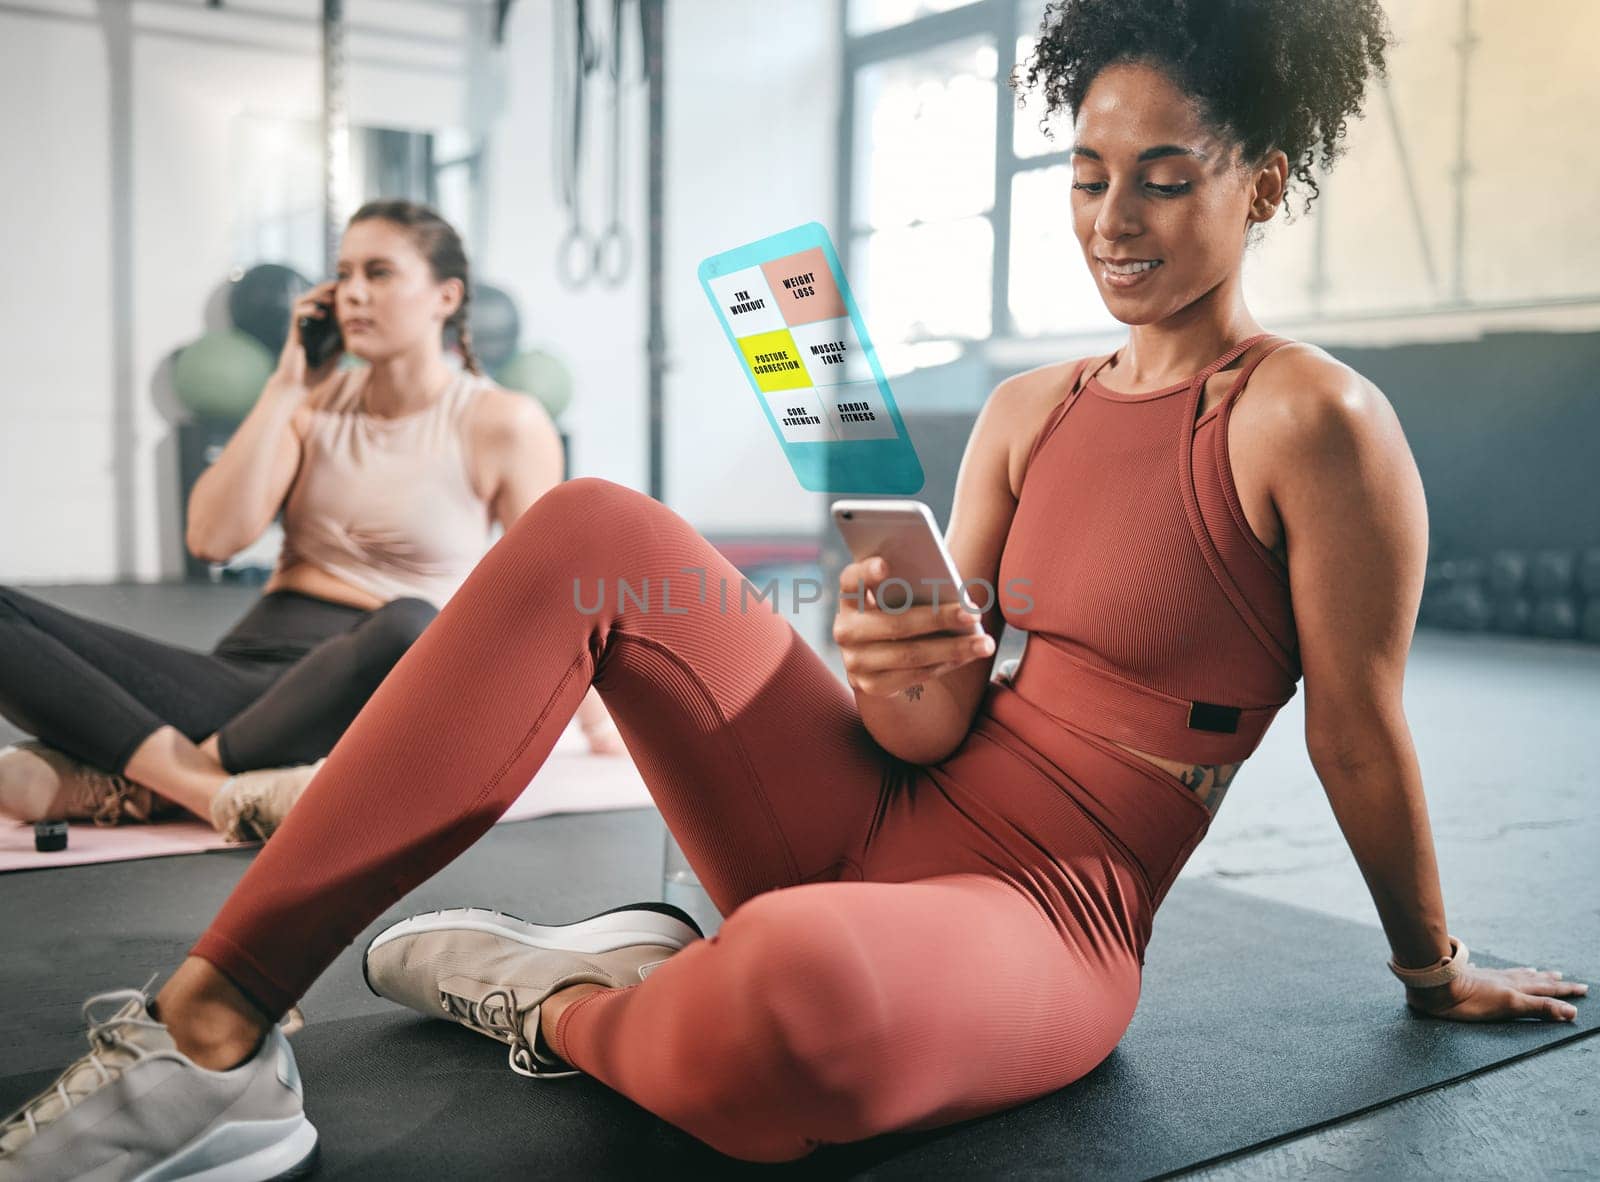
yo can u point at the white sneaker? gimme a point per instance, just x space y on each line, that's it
251 805
135 1107
490 971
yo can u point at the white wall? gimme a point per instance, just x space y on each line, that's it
752 148
598 330
56 486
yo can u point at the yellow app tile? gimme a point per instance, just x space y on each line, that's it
775 360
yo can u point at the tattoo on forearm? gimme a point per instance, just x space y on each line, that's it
914 691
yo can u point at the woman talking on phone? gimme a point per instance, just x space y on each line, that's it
389 478
938 886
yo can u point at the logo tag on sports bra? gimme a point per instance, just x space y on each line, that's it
1207 716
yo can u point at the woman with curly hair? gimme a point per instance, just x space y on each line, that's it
938 891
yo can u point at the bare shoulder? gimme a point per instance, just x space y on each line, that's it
503 418
1301 392
1309 415
1017 408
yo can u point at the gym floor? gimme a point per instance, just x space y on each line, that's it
1500 726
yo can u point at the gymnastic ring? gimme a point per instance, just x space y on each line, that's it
621 255
576 268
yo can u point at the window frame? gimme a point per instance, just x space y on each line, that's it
997 19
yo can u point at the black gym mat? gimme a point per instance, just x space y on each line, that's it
1258 1021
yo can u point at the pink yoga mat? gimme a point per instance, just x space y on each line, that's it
571 781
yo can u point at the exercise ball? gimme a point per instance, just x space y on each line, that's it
496 326
261 300
536 372
221 374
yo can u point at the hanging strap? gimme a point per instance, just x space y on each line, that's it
1191 504
1205 375
1225 404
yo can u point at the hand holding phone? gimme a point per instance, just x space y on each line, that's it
322 340
894 636
319 334
313 343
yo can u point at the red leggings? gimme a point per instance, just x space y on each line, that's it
904 946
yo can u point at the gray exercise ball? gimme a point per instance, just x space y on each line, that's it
260 301
496 325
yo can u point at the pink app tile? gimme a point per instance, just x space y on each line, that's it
804 287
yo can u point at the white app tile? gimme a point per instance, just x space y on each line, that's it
858 369
831 351
746 300
857 411
800 416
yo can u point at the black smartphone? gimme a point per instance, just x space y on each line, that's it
321 337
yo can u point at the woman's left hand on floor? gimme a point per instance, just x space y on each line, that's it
1496 995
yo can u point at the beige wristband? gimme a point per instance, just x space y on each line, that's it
1446 968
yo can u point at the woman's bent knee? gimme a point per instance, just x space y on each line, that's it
586 516
397 624
384 636
808 997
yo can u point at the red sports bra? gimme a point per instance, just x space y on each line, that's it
1157 617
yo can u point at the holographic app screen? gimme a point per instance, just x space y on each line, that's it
789 314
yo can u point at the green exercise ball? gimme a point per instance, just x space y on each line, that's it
221 374
536 372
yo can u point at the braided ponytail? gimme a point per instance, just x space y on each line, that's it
462 326
439 243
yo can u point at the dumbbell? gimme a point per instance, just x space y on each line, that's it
1467 607
1452 592
1508 573
1513 613
1556 616
1551 573
1591 620
1589 572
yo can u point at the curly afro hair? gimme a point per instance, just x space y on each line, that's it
1267 74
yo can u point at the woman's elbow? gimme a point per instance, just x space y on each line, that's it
209 544
206 549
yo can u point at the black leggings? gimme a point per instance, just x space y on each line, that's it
278 689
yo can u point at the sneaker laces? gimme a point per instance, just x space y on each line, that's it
500 1017
260 801
111 1053
118 795
104 796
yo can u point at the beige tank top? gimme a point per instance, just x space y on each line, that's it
385 504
